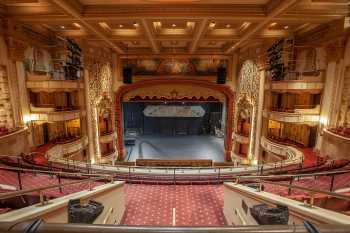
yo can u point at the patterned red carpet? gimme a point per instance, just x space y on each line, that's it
195 205
30 181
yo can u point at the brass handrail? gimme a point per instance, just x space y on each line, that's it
92 228
41 189
73 174
312 191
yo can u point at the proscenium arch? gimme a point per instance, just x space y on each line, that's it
222 89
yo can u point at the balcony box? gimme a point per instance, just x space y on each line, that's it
14 143
108 137
299 116
240 138
335 145
71 147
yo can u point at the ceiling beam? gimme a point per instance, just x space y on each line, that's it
71 9
282 7
150 36
198 34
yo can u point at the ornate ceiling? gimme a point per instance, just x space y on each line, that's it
181 26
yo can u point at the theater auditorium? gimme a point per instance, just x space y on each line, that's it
167 116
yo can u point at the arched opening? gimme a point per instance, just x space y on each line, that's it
183 91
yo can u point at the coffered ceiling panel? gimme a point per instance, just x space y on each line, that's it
186 26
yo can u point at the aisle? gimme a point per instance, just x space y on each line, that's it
195 205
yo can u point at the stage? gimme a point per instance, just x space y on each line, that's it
177 147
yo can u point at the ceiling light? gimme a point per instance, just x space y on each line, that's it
173 25
121 25
76 25
286 27
212 24
228 25
136 25
273 24
62 27
105 26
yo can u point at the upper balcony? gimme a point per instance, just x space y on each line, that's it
302 115
313 84
48 114
46 83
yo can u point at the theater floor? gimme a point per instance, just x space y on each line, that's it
177 147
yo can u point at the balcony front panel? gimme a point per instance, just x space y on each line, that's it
14 143
54 85
62 149
282 150
106 138
56 115
335 145
295 117
240 138
295 85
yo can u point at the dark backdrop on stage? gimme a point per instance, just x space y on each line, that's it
135 119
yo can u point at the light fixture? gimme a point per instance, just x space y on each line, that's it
212 24
62 27
228 25
286 27
273 24
76 25
121 25
136 24
173 25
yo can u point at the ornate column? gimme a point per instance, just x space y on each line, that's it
259 117
332 87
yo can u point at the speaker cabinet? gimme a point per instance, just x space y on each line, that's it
127 75
221 75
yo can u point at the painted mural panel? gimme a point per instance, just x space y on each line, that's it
175 66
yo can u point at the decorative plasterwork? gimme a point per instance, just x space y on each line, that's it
248 97
100 96
174 92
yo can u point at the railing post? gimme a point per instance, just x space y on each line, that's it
219 175
59 182
19 180
290 188
129 174
90 185
42 198
174 176
312 199
332 183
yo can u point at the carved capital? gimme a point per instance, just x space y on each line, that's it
335 50
16 49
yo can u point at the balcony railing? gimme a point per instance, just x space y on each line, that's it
42 227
